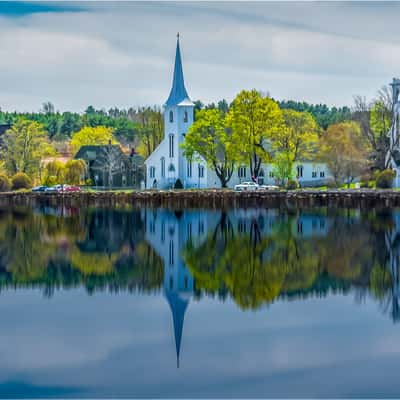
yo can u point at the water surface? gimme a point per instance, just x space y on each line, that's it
195 303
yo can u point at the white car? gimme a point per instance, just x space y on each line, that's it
246 186
268 187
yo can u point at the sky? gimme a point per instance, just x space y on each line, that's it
108 54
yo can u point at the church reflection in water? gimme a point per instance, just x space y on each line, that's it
253 257
298 255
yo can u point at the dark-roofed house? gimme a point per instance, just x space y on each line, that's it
109 166
3 128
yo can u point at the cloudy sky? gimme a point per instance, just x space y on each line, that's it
121 54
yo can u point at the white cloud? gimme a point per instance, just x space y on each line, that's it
122 53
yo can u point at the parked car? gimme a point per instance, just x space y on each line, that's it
41 188
246 186
70 188
268 187
55 189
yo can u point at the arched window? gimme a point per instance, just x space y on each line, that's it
163 167
299 171
171 116
171 145
171 168
185 116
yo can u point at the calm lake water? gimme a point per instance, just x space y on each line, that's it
194 303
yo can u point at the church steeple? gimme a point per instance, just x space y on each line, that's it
178 307
178 92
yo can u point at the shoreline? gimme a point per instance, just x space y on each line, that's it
210 199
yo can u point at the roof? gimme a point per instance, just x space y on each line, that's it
93 151
4 128
178 95
96 152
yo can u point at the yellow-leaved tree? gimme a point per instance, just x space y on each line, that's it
89 136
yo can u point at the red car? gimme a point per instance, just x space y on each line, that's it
68 188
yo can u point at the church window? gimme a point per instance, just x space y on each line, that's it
186 283
242 172
185 116
171 146
201 227
300 171
189 231
271 174
322 174
189 169
163 167
171 283
314 174
300 228
171 252
152 172
201 171
171 116
163 231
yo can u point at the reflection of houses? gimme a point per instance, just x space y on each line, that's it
107 231
108 165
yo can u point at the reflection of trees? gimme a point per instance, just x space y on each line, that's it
98 250
253 268
256 268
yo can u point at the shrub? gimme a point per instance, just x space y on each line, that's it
21 181
178 184
365 181
5 184
292 184
385 178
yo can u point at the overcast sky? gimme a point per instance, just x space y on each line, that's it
121 54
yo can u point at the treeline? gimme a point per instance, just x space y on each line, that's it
128 125
324 115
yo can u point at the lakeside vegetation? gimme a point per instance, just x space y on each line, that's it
253 129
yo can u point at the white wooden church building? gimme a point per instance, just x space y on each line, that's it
167 163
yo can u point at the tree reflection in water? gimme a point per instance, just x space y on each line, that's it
253 256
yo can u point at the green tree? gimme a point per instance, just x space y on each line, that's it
297 140
208 137
89 136
54 172
74 171
26 144
254 120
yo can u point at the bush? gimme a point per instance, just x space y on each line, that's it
292 184
5 184
365 181
178 184
21 181
385 178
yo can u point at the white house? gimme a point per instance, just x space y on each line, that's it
167 163
393 154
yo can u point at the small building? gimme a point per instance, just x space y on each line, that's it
3 128
109 166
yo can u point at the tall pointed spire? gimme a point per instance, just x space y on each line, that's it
178 307
178 92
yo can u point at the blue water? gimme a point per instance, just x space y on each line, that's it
166 308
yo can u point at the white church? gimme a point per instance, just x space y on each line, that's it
167 163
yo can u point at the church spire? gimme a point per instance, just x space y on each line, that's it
178 307
178 92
